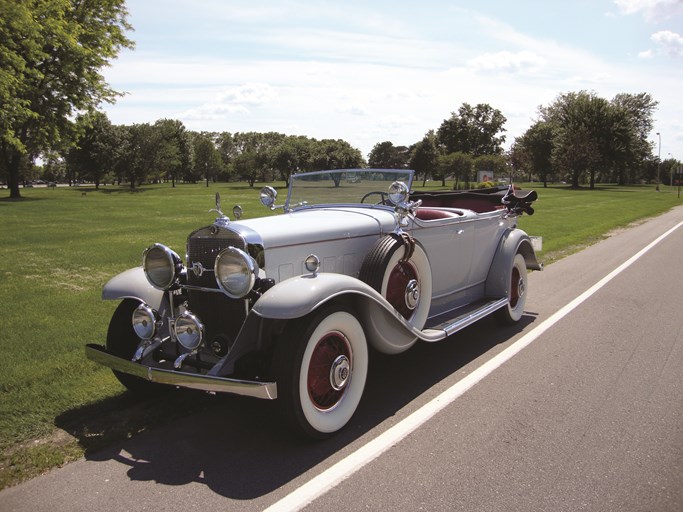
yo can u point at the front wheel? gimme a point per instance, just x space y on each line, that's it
322 365
513 311
122 342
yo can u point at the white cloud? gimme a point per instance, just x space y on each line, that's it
248 94
652 10
506 61
669 42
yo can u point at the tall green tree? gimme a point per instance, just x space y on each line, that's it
207 161
424 157
535 148
96 150
474 130
457 164
174 153
140 152
594 138
52 52
385 155
292 155
634 113
335 154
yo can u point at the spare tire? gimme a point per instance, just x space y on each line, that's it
399 270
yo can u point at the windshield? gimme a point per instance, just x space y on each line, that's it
344 186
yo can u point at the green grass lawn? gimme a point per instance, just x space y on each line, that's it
60 246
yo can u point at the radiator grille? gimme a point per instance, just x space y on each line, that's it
222 317
203 246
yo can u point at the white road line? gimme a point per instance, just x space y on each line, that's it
331 477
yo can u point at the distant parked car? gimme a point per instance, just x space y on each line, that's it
287 307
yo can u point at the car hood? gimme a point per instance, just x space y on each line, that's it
316 225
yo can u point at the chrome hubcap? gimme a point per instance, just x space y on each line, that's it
412 295
339 372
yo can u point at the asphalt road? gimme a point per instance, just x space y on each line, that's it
589 416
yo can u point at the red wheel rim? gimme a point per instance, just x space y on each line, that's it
400 276
514 287
332 348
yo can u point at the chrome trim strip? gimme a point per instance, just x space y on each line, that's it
458 323
265 390
201 288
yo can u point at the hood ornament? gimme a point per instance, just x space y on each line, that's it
222 219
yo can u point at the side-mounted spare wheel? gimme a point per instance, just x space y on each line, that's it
321 364
398 269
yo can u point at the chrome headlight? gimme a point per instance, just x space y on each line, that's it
235 272
188 330
268 196
398 192
144 322
162 266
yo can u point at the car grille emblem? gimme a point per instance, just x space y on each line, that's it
198 268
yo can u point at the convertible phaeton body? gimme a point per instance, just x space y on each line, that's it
287 306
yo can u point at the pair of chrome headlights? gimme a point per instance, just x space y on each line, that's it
235 271
187 328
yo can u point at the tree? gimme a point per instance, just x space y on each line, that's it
173 153
598 139
424 156
385 155
207 159
292 155
490 163
139 161
457 164
52 52
635 112
96 150
225 144
473 130
582 127
535 148
335 154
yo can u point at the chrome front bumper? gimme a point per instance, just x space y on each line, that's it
265 390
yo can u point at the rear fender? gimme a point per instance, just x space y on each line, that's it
513 242
132 284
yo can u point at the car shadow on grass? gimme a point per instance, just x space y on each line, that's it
239 447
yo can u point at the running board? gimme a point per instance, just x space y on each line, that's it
472 314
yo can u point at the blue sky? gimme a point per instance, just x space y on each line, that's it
371 71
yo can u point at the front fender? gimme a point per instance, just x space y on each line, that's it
513 242
293 298
132 284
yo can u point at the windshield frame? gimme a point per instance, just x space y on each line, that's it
317 188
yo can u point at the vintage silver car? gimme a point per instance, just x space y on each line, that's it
287 306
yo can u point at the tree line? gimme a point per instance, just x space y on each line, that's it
167 151
51 86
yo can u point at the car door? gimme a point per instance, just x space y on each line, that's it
449 244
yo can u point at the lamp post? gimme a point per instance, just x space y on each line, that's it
659 158
671 168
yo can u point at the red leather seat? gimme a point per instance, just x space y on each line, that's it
434 214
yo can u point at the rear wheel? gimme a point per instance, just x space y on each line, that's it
322 365
517 293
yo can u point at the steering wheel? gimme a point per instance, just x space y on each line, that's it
376 192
